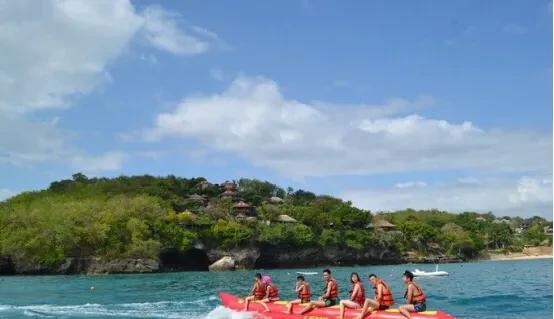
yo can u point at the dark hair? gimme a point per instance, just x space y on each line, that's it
357 277
372 275
327 271
409 274
259 276
300 278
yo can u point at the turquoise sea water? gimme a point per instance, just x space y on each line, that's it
503 289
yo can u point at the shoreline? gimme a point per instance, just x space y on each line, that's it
518 257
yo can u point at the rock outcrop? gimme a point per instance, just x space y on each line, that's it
6 266
127 265
225 263
245 258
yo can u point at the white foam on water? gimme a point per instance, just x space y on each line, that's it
160 309
221 312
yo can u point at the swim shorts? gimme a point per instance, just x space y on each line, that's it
419 307
331 302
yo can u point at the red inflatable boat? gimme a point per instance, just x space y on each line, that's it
278 308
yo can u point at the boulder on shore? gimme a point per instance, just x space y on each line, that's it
223 264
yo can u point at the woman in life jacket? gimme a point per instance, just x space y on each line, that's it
330 295
257 292
304 292
414 296
383 296
357 295
271 293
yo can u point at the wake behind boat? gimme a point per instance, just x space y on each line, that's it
278 308
436 273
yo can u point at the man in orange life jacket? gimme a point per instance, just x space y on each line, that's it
304 292
414 296
330 294
271 293
258 291
383 296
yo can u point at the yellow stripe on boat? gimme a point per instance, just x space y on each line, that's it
428 312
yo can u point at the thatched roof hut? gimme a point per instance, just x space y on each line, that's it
284 219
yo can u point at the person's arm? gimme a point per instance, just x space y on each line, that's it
253 288
355 291
299 288
328 291
410 294
267 291
379 292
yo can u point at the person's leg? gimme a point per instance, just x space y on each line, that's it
405 310
312 305
264 303
367 304
347 304
247 302
291 304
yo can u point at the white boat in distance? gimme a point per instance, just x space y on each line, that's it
306 273
422 273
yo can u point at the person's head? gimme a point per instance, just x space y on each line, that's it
354 278
300 278
326 274
258 277
266 280
407 276
372 278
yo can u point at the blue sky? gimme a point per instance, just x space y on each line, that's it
389 104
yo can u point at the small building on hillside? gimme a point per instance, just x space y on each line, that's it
548 230
243 210
230 191
381 224
275 200
202 199
285 219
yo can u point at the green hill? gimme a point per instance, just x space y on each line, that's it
145 216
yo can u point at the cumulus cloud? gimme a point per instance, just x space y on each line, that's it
55 50
162 30
111 161
525 196
253 120
52 50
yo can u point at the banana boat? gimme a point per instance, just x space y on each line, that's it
278 309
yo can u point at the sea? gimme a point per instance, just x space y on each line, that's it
480 290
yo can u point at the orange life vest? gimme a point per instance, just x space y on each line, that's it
386 294
359 298
259 292
273 291
418 297
305 293
334 293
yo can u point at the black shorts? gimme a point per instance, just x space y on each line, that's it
383 307
304 300
331 302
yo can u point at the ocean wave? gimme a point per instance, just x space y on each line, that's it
159 309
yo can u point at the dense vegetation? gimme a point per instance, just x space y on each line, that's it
141 216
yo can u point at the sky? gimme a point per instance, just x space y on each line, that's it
388 104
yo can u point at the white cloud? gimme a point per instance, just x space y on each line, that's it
52 50
111 161
525 196
252 119
162 30
410 184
